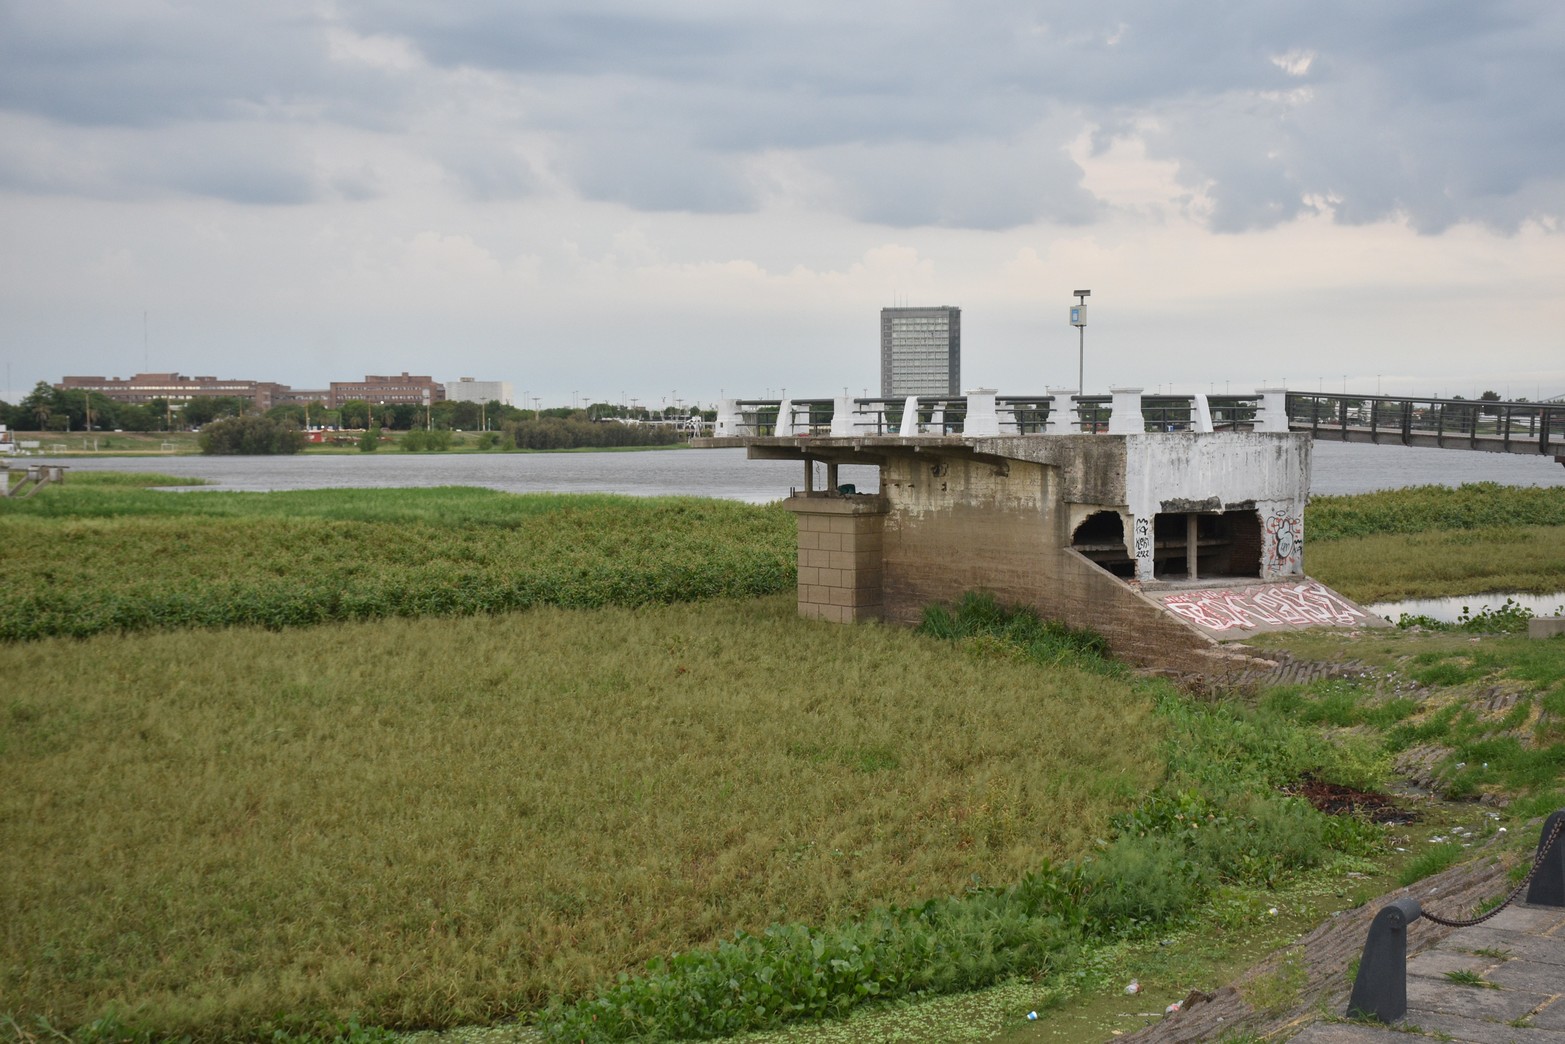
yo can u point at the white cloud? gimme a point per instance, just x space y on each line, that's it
727 192
1295 62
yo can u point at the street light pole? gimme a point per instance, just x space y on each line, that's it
1079 321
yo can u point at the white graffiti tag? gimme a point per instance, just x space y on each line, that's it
1274 605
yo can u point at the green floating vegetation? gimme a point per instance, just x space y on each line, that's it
1422 509
107 557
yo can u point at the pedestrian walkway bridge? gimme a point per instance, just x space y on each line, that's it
1536 428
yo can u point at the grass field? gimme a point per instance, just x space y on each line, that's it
454 813
438 822
1431 541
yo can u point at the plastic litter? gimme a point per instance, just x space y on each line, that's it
1134 987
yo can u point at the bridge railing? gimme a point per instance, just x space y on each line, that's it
1515 426
987 414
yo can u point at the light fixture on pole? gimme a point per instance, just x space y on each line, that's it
1079 321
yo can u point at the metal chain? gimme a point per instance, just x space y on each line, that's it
1537 862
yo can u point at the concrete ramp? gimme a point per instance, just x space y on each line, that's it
1231 613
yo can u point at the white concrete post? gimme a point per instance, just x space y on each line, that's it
785 419
1142 547
1009 425
1125 417
842 417
1273 413
1063 419
981 416
910 417
1203 413
728 422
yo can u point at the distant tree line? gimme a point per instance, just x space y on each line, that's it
600 424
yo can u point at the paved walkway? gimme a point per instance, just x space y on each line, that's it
1520 953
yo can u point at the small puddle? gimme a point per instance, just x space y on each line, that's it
1447 610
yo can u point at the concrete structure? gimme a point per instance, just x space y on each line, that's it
388 391
1167 543
176 388
468 390
1546 627
920 351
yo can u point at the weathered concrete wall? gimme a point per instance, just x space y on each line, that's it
1268 473
955 525
997 514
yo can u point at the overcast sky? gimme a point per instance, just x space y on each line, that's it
696 197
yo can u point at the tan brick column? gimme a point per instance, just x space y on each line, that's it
839 556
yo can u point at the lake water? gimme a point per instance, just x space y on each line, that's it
1448 609
1338 468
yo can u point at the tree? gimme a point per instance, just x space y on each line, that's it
250 436
369 442
355 413
205 409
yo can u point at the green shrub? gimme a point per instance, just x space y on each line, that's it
251 435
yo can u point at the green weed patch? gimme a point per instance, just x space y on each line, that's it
125 559
1422 509
1215 819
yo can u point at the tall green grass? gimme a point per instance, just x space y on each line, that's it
441 822
1436 564
96 559
1216 817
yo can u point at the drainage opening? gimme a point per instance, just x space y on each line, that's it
1101 537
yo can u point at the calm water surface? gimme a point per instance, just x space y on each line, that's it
1448 609
1338 468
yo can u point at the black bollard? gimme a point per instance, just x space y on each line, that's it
1380 990
1548 881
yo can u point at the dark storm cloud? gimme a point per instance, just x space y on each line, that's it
1438 111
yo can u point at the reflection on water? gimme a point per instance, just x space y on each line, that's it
1446 610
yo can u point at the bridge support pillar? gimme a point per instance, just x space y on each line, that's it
840 560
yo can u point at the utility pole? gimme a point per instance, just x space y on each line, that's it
1079 321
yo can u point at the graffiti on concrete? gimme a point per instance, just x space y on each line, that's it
1284 545
1307 604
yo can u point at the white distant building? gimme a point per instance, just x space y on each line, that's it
469 390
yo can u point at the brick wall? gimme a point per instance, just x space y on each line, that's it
840 547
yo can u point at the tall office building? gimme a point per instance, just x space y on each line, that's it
920 351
